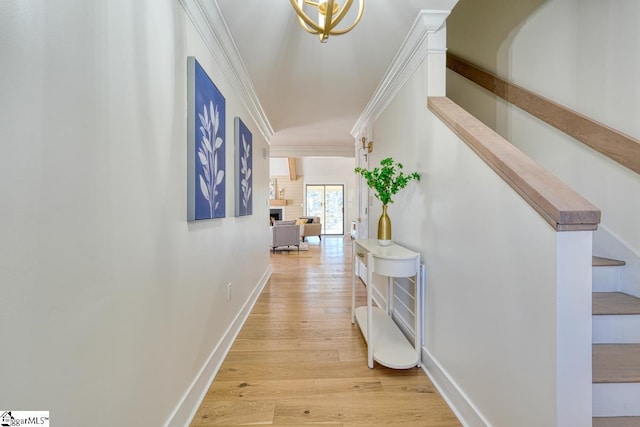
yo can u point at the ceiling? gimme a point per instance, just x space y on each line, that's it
313 93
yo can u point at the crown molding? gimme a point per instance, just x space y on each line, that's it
311 151
209 22
427 35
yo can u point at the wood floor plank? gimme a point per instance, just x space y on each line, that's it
292 356
341 344
343 388
258 334
407 385
299 360
224 413
296 324
284 370
351 353
362 409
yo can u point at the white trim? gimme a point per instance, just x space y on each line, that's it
573 328
427 35
458 401
311 151
209 22
193 396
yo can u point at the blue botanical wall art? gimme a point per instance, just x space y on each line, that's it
206 153
243 167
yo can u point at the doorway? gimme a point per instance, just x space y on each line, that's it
327 202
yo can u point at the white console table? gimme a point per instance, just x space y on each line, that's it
386 344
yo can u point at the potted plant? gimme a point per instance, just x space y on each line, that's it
387 180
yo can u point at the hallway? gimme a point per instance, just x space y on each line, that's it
299 360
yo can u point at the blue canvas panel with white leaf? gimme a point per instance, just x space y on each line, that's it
206 136
244 169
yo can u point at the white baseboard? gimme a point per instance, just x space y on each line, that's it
459 403
192 398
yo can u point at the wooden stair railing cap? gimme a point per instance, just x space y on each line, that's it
619 147
559 205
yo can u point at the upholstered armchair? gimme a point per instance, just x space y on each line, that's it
313 228
284 234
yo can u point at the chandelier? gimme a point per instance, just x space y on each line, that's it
329 16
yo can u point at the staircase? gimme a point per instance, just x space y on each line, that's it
616 349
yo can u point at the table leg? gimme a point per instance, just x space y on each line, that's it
390 296
418 312
353 283
370 268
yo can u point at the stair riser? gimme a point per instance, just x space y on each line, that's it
616 400
616 329
606 279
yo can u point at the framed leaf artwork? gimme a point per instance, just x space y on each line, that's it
273 185
243 168
206 140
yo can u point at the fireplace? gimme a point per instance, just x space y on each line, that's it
276 214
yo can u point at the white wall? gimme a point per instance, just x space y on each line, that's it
112 302
279 166
584 55
497 313
589 63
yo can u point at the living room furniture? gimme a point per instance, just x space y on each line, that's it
313 228
285 233
386 344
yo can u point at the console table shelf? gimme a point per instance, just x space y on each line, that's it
386 344
390 346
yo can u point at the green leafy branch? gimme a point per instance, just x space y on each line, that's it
387 180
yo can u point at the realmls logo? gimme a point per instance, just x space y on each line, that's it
24 418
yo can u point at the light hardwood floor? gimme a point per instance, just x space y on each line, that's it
298 359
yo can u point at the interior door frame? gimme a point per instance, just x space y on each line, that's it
362 157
